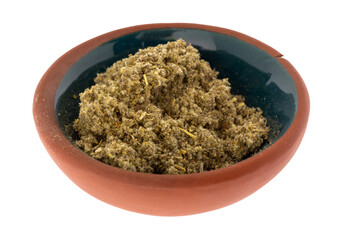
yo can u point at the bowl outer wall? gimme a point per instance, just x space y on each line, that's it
164 195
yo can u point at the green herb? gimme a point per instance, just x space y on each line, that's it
163 110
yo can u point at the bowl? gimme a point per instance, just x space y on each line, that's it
255 70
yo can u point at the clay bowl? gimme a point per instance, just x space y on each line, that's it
255 70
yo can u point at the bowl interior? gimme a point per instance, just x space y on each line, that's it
252 72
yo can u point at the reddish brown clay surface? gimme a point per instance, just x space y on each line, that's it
165 195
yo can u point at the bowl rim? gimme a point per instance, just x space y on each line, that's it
63 152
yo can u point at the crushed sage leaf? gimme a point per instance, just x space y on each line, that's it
163 110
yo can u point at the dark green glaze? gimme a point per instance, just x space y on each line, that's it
251 71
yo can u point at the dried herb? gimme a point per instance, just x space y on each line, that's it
163 110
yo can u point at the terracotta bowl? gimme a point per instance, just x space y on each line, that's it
257 71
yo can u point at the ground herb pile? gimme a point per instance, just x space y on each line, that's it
163 110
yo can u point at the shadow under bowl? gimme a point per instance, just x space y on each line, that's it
254 69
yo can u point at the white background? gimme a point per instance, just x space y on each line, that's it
37 201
